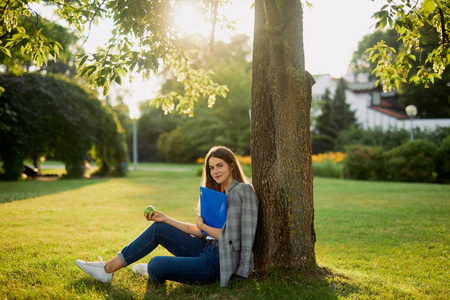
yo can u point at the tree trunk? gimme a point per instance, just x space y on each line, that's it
280 140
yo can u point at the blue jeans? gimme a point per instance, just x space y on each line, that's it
194 260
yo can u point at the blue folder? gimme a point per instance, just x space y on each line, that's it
213 207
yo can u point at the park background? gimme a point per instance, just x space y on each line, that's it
383 238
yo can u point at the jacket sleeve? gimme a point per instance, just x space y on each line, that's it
249 220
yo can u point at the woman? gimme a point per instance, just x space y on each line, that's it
226 253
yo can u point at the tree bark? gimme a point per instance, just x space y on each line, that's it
280 138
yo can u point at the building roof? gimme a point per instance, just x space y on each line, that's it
361 86
391 111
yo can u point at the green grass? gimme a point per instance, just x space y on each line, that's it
378 240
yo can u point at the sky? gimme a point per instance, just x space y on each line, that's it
331 32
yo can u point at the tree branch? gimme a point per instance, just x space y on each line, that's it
214 20
92 20
445 39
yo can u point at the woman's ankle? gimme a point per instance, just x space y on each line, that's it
113 265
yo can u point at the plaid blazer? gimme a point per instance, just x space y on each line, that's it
238 233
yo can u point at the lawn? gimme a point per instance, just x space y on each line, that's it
374 240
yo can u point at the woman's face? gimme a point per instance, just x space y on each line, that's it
220 171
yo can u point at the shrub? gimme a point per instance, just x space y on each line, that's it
363 162
412 162
328 169
372 137
49 116
443 161
175 147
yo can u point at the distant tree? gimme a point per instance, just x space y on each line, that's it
431 102
326 129
184 139
46 116
150 126
336 116
341 113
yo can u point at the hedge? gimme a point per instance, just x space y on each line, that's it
415 161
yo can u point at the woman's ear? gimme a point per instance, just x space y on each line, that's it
232 165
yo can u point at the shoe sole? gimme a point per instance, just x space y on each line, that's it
80 264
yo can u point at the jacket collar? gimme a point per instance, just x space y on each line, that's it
232 185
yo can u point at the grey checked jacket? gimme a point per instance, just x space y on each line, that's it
238 233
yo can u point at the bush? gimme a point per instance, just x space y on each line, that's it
375 137
49 116
328 169
175 147
443 161
363 162
389 139
412 162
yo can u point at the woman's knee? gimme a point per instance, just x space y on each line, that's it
158 227
155 228
155 268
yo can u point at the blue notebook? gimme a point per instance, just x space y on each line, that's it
213 207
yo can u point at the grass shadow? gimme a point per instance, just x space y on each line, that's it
318 284
93 289
20 190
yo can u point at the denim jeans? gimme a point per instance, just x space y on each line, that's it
194 260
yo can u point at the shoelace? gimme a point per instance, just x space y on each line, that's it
101 259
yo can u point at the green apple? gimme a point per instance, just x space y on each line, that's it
150 210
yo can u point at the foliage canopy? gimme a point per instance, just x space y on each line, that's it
143 40
18 60
432 101
182 139
408 17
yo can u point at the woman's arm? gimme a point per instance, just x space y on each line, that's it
213 232
185 227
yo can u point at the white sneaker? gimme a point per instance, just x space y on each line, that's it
140 269
96 269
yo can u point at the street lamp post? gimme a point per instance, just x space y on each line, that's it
411 111
135 144
134 115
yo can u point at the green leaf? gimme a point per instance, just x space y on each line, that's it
38 60
82 61
383 23
6 51
429 5
56 48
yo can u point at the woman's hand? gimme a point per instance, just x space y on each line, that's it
158 216
199 222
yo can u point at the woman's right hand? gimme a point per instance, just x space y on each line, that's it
158 216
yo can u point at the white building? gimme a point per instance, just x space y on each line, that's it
372 107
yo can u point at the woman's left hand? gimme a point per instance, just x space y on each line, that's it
199 222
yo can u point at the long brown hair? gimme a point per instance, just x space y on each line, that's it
228 156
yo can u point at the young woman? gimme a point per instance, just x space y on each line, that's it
224 255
